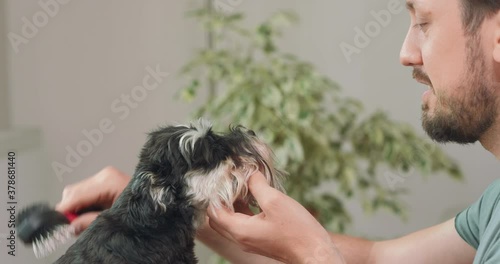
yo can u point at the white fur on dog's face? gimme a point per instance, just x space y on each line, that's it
227 183
218 168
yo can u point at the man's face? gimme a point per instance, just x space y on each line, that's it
460 104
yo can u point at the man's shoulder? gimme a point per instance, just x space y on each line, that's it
472 222
485 216
492 193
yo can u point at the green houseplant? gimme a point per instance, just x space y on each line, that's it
318 135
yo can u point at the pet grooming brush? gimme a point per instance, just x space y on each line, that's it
45 228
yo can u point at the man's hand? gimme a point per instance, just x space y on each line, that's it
284 230
100 190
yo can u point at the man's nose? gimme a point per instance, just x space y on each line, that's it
410 54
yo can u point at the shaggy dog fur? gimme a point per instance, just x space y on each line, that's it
182 169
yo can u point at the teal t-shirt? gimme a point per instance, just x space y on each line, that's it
479 226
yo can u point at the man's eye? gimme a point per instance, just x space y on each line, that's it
422 26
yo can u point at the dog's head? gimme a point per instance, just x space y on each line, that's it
194 163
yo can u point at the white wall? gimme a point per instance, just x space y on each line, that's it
29 162
65 79
4 102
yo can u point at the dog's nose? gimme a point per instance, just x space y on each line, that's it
251 132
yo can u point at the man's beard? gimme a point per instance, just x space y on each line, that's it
463 118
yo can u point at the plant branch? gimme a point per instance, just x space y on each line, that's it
210 42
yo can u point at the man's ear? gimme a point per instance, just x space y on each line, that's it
495 27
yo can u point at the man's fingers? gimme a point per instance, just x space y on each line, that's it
70 199
261 190
220 220
225 218
67 203
242 207
82 195
219 214
219 229
75 200
83 221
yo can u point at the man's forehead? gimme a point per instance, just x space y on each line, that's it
421 5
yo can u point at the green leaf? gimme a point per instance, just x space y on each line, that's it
295 146
319 136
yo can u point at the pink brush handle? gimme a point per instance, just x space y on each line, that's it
70 216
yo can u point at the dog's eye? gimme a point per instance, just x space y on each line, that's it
251 132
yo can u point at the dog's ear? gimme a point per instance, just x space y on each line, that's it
200 146
149 198
163 146
208 152
257 157
264 159
138 210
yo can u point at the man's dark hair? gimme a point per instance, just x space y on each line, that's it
475 11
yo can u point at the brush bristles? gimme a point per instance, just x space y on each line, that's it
44 246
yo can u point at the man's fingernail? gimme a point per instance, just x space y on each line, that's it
77 228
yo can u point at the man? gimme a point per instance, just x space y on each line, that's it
454 48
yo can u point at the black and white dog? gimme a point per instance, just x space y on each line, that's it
182 169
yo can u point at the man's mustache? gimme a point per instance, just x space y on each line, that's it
421 76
